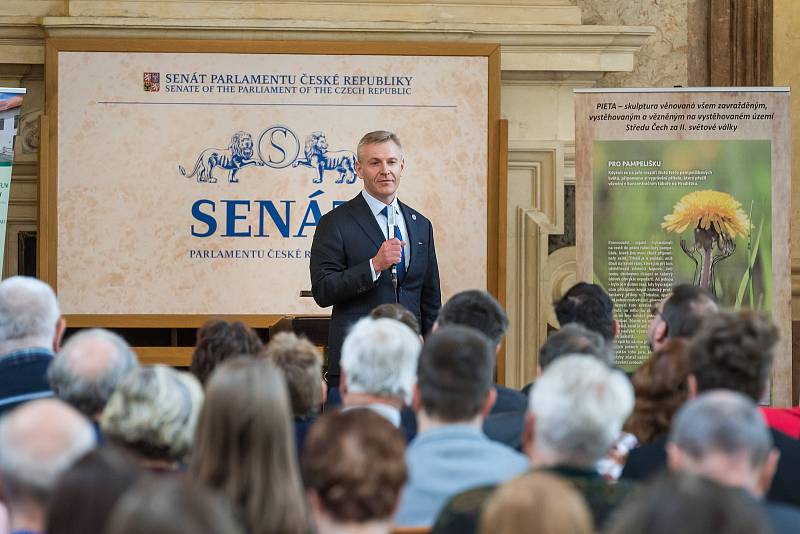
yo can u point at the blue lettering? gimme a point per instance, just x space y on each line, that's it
209 220
277 146
313 209
232 217
282 224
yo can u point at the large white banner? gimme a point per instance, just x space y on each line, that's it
191 183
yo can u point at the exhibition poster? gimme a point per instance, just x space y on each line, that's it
10 106
684 186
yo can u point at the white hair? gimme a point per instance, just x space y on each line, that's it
579 405
29 313
379 357
154 410
39 441
89 367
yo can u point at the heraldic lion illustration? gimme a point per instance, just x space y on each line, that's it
318 157
238 154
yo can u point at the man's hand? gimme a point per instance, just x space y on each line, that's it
391 252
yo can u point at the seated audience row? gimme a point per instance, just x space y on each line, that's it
224 452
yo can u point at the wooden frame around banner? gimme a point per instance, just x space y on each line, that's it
48 209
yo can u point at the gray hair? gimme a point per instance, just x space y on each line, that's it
154 411
89 367
376 138
579 405
574 338
722 421
379 357
29 312
39 441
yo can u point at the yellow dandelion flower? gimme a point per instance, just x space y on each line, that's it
704 209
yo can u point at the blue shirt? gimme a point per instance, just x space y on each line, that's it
448 460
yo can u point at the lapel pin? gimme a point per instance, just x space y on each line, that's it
413 216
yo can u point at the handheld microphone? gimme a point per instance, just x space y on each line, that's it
390 215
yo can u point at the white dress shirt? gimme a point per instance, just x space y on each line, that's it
376 206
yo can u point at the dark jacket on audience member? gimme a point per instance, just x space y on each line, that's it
649 459
23 377
301 426
461 514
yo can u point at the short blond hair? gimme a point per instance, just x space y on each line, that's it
536 502
301 364
376 138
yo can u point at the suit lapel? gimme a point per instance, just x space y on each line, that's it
413 232
363 216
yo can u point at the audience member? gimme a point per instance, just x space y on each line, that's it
574 338
152 414
245 447
479 310
680 314
38 442
590 306
31 328
571 339
732 351
88 369
679 502
536 502
84 496
577 408
217 341
354 470
378 368
721 435
301 364
398 312
172 506
454 392
661 389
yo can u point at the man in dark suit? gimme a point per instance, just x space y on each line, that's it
353 254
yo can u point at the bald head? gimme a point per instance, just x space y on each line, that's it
88 369
29 314
38 442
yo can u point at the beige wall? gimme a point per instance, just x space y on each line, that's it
662 61
786 71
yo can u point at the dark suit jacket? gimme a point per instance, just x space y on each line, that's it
645 461
345 240
649 459
23 377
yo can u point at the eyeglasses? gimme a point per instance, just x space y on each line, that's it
655 310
